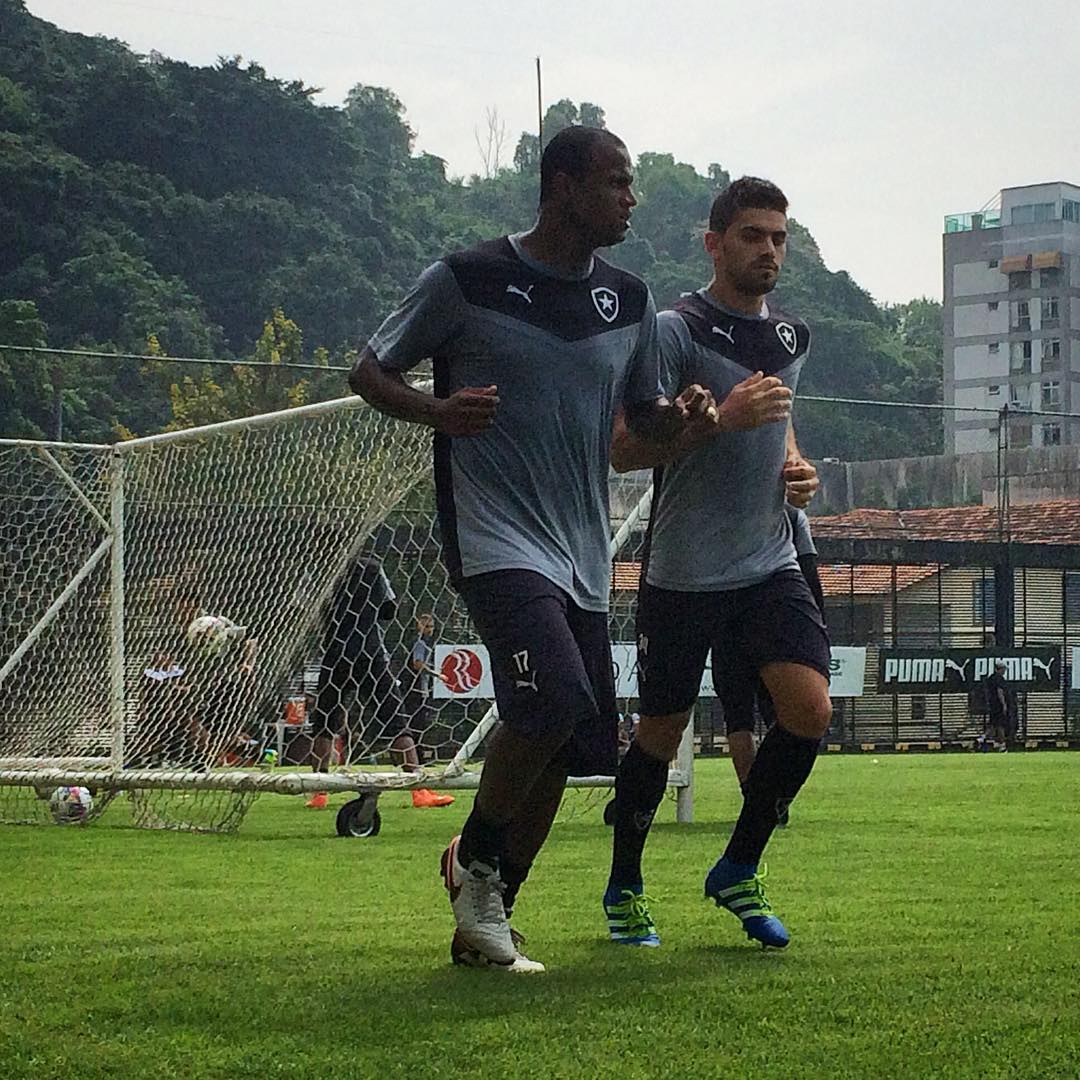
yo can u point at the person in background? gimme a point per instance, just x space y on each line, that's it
355 672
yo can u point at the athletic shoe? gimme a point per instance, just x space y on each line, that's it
476 898
741 889
628 918
318 801
463 955
423 797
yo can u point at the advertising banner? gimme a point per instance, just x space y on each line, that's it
957 671
464 672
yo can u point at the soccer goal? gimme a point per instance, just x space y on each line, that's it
196 617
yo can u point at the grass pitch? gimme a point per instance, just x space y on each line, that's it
932 902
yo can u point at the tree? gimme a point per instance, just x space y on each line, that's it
673 206
244 390
146 198
16 111
26 389
490 144
527 154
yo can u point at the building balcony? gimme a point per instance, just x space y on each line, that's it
977 219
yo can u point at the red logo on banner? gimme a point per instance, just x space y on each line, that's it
462 671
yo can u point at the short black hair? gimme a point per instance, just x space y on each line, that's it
571 151
746 193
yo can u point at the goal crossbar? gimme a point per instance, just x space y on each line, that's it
280 783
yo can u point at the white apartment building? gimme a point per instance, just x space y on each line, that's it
1012 318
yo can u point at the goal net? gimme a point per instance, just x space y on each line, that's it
197 617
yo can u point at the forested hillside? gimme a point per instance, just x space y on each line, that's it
148 206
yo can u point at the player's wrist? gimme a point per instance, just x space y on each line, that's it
433 412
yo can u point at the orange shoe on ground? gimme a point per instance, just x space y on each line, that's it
318 801
424 797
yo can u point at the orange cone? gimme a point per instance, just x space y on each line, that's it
423 797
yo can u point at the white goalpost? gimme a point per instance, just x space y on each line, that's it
190 617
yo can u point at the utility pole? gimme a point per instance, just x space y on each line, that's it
539 112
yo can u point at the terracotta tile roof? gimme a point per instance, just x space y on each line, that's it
1052 522
835 580
626 575
869 580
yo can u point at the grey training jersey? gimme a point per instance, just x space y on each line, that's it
800 530
531 493
718 519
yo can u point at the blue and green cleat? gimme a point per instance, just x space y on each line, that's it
741 889
629 921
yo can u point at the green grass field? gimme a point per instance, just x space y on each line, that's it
932 902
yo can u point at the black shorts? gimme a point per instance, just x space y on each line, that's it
775 621
550 663
353 682
743 698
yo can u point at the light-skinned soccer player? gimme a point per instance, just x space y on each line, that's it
535 343
741 693
721 572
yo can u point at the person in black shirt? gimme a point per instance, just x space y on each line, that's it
356 671
997 692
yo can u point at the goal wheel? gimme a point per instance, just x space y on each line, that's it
360 817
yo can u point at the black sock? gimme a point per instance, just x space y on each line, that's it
639 787
481 841
513 877
783 763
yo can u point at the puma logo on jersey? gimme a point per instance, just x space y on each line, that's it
523 293
729 333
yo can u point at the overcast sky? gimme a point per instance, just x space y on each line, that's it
876 117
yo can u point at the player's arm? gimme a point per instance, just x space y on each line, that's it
808 566
469 411
653 429
758 400
800 477
649 425
657 432
424 322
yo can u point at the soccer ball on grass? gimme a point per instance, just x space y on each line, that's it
70 805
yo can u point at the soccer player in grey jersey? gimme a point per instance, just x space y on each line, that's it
741 692
535 343
721 571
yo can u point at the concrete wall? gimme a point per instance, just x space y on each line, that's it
948 480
